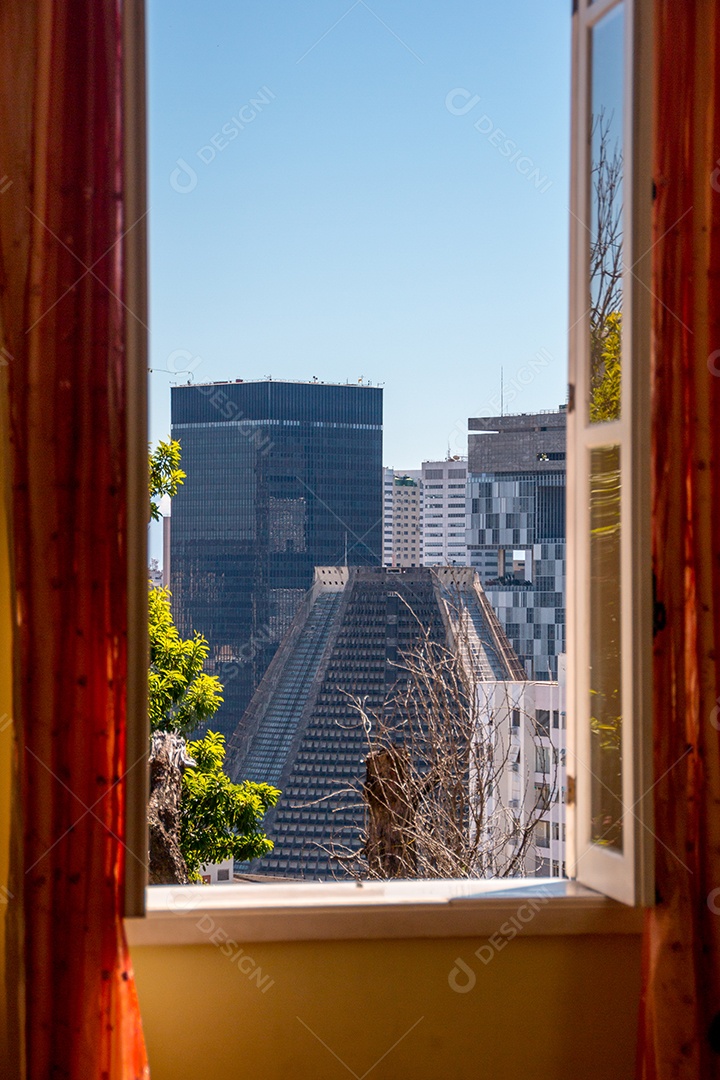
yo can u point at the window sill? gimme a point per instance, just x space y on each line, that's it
185 915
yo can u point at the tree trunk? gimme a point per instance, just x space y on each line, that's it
168 758
390 848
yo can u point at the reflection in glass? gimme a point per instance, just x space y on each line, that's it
605 667
606 222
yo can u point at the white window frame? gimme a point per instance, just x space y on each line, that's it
423 908
626 876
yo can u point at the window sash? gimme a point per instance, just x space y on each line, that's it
627 875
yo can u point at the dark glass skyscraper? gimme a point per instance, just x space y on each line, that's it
281 478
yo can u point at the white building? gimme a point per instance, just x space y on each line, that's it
402 517
217 873
529 731
443 517
388 515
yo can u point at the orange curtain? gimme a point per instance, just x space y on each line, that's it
61 313
680 1016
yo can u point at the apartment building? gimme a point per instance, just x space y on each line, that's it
527 721
443 516
402 517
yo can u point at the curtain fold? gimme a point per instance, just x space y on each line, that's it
62 317
680 1013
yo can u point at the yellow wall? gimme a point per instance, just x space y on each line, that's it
545 1008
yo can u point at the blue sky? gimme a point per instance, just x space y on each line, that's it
366 220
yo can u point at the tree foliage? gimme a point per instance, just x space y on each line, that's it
219 819
181 695
606 270
166 476
605 386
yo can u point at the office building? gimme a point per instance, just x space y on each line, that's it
281 477
516 530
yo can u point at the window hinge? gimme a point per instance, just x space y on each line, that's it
569 790
571 397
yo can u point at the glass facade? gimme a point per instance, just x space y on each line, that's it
513 515
281 478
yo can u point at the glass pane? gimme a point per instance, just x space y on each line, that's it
605 669
606 216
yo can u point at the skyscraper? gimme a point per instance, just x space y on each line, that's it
516 530
281 477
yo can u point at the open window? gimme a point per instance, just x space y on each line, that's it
609 592
609 568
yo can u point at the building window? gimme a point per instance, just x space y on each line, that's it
542 759
542 722
543 796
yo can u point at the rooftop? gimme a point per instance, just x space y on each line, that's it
519 421
361 382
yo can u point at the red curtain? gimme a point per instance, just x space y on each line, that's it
61 309
680 1016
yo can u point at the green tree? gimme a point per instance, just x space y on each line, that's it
166 476
606 370
219 819
181 695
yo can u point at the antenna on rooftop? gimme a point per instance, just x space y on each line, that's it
502 393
